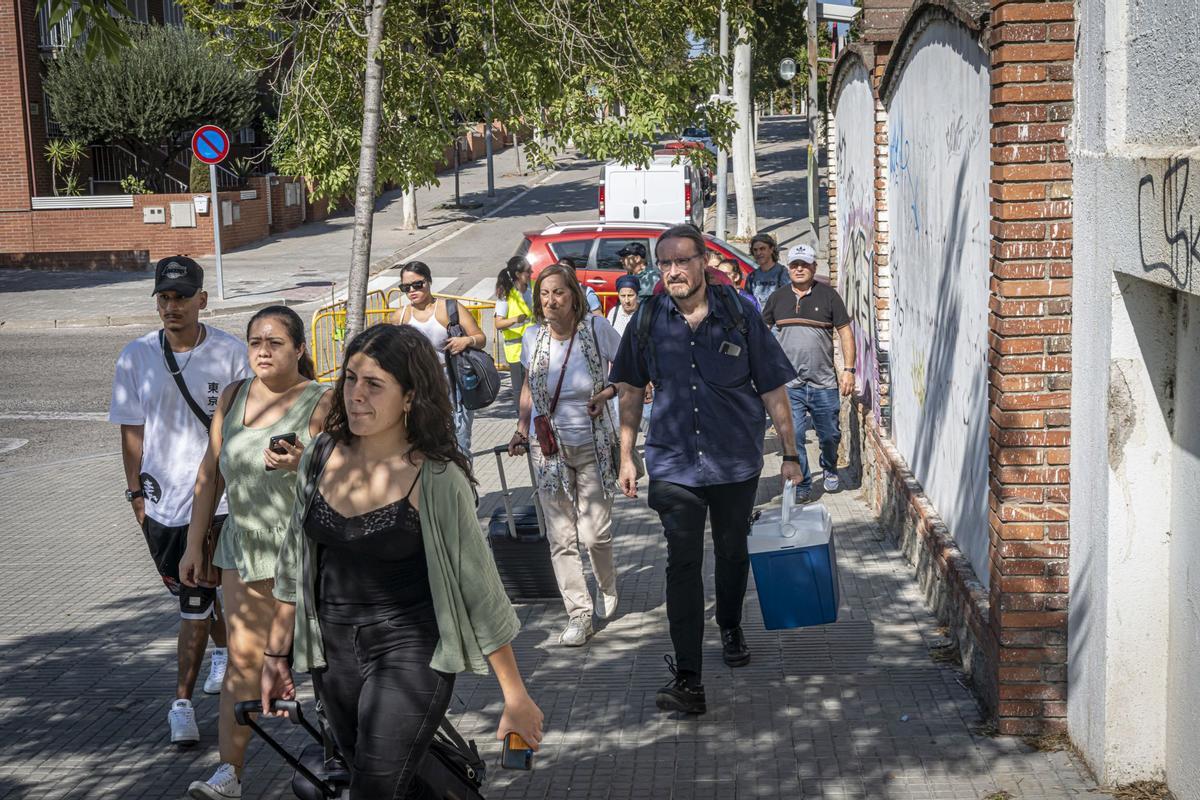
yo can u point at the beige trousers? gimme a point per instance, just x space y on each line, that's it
583 520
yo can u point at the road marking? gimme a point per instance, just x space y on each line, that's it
383 283
8 445
56 416
484 290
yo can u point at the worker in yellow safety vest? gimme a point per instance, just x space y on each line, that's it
514 313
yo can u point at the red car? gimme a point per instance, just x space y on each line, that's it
594 246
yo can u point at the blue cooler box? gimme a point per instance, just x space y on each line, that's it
795 565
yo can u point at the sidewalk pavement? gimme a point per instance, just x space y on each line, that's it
856 709
293 268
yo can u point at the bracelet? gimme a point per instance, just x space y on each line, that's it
793 459
524 436
273 655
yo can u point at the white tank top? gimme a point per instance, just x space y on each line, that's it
434 331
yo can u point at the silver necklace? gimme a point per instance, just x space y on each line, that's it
183 366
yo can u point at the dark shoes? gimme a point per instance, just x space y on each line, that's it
684 693
733 647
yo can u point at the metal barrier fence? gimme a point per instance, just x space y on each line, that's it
329 326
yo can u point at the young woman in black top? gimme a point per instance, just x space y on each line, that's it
403 593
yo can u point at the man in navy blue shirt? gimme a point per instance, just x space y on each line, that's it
715 365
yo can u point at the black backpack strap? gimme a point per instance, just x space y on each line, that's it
645 315
733 308
177 374
452 313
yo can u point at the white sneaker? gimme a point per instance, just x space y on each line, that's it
577 632
831 482
216 670
182 719
223 785
606 604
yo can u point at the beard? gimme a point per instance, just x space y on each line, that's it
681 290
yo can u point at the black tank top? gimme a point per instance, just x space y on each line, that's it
370 567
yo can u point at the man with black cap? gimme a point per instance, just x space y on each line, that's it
633 258
164 394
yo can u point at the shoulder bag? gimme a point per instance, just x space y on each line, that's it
474 379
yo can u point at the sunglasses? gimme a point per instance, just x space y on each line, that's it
415 286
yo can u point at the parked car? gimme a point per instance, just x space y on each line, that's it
699 135
594 246
663 191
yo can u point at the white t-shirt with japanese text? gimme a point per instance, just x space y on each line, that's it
174 441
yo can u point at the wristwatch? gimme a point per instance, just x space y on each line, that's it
848 369
793 459
130 496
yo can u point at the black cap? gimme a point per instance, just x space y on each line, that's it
178 274
632 249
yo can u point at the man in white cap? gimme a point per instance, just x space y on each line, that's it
806 313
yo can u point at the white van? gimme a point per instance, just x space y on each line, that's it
661 192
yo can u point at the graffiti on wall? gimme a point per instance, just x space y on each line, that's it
1168 228
939 265
856 226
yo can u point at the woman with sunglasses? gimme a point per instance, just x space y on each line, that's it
514 315
431 316
386 587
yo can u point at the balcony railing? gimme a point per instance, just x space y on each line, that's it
112 163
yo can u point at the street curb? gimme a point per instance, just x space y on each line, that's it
118 320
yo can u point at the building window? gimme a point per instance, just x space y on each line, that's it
172 13
139 10
245 135
53 129
58 36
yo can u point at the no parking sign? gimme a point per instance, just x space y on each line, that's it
210 145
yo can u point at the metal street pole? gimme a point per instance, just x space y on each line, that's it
216 220
722 155
813 168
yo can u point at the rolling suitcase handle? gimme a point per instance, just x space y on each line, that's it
506 493
242 712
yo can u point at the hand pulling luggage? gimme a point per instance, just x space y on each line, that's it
451 770
795 564
517 536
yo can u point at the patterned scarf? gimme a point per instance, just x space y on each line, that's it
553 474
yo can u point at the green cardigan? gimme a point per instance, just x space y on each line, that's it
474 616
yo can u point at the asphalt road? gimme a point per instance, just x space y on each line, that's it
55 384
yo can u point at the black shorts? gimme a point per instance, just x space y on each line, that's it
167 545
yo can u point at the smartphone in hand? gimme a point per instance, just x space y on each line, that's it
275 447
516 753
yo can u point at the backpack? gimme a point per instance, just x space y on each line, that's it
474 379
645 314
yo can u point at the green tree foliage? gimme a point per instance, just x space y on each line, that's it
779 32
563 68
165 84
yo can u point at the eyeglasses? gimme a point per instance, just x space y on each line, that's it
415 286
668 263
801 265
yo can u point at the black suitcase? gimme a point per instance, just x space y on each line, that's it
451 770
517 536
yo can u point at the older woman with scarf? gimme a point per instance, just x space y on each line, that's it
566 356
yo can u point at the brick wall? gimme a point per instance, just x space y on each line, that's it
1030 359
15 176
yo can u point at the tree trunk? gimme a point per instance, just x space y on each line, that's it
364 196
754 140
408 220
747 220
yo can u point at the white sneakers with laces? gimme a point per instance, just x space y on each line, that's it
182 719
577 632
216 670
223 785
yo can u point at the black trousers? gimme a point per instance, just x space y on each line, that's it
382 700
684 510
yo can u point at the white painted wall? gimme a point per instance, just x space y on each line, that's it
1183 675
938 174
1134 628
855 130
